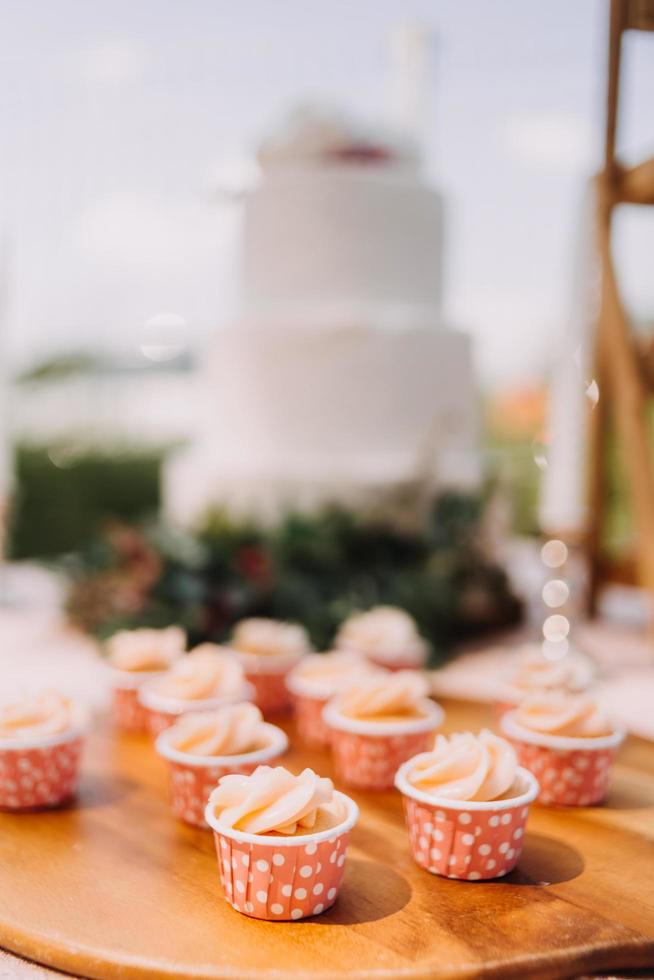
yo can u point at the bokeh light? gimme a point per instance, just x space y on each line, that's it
539 450
592 393
164 337
555 593
556 628
554 553
555 651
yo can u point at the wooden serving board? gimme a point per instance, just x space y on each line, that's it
115 888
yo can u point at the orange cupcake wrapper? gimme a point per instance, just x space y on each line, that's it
466 842
271 695
371 761
309 722
269 879
40 777
158 721
502 708
128 713
578 777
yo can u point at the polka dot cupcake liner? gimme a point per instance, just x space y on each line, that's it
40 775
162 712
192 778
571 771
271 695
474 841
503 707
367 755
127 712
283 878
309 722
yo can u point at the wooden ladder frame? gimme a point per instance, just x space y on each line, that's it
624 383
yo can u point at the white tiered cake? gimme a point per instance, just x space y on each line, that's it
340 383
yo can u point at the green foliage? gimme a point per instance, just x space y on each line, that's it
64 497
312 569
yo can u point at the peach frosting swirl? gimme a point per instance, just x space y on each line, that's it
560 713
145 649
466 767
39 716
270 638
385 634
322 675
208 671
534 672
273 801
232 730
382 695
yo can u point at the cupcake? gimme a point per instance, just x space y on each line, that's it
316 679
535 673
569 744
205 679
281 841
136 656
377 723
268 650
466 805
385 635
205 745
41 740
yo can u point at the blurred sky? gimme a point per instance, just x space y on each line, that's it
116 117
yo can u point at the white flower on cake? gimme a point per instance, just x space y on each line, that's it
145 649
208 671
40 715
273 801
386 635
232 730
270 638
465 767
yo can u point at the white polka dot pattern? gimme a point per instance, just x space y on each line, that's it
371 761
568 778
309 722
38 778
127 712
310 873
159 721
270 692
190 787
468 844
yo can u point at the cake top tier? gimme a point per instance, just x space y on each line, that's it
311 137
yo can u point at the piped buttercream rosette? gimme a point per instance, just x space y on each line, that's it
466 767
232 730
273 801
145 649
40 715
385 634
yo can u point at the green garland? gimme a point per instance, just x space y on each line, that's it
312 569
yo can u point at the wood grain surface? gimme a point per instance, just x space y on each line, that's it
115 888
